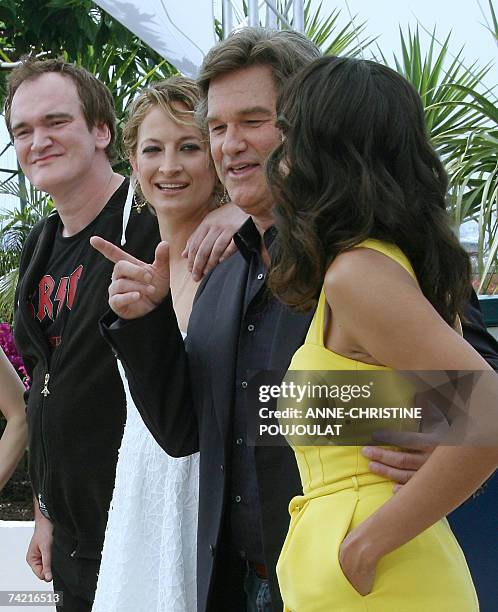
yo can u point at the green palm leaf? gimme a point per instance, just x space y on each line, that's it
461 119
325 32
15 226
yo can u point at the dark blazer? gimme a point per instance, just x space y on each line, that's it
186 399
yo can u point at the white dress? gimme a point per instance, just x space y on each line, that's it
150 547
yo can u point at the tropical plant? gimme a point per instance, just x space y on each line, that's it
443 89
77 29
323 31
15 226
458 114
474 172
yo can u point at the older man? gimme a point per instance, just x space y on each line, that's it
199 397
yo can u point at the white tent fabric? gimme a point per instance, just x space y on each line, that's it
182 31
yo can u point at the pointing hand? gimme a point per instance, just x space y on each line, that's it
136 287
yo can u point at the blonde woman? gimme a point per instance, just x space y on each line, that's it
13 440
149 554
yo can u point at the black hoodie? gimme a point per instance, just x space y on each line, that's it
76 425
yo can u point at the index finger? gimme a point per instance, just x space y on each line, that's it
193 244
112 252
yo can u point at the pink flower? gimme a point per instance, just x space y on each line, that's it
9 348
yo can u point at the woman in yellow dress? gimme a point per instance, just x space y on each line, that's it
363 228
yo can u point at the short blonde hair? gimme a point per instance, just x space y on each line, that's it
166 94
163 94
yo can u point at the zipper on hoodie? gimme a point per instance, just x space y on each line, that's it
52 368
52 359
37 337
43 483
45 390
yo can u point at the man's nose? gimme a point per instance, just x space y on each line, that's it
40 140
233 141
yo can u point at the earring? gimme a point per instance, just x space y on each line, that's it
225 198
138 205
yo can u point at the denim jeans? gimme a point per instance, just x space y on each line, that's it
257 592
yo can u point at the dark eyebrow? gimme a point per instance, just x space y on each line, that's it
60 115
257 110
251 110
47 117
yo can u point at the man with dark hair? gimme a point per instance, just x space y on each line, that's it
197 399
95 99
62 123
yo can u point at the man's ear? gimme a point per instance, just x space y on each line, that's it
103 134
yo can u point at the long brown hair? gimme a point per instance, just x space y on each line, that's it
356 163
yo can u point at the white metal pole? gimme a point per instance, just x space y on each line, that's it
227 17
299 15
271 15
253 12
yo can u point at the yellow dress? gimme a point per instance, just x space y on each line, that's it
427 574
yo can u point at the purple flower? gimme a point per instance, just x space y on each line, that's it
9 348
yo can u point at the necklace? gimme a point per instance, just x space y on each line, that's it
182 285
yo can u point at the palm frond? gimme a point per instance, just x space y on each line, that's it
461 118
325 33
493 28
15 226
8 282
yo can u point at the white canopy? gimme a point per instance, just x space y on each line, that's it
182 31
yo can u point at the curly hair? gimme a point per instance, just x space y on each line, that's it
356 163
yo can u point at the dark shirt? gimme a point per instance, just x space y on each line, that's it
75 426
55 294
258 321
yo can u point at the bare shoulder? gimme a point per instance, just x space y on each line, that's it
377 302
361 273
